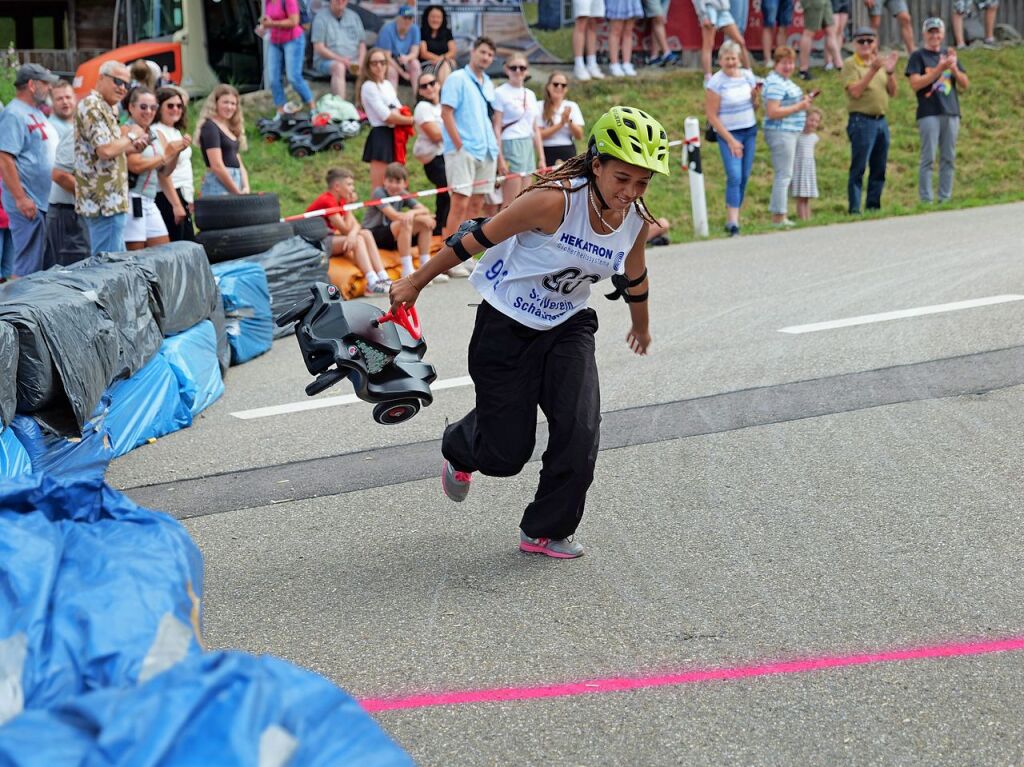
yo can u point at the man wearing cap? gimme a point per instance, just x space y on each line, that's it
870 81
101 170
25 164
400 37
936 77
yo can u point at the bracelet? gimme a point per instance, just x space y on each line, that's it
409 279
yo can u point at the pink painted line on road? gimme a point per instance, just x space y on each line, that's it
622 684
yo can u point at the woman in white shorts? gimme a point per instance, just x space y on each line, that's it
515 120
714 16
145 226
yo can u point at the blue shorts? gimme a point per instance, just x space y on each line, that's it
776 13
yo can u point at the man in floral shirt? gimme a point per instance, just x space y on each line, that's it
101 171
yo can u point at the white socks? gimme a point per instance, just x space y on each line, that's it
406 266
591 60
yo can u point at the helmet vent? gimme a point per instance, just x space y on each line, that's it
629 124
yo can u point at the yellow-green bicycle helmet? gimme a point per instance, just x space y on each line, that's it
633 136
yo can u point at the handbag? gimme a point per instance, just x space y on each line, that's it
709 133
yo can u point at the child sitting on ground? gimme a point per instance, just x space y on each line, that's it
351 240
804 185
395 225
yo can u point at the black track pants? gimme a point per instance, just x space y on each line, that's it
516 369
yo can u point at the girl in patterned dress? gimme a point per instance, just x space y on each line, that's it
804 185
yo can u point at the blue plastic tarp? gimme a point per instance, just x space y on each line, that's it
246 295
145 406
192 356
87 456
14 461
97 592
223 709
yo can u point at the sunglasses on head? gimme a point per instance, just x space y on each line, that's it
864 40
517 67
118 81
559 85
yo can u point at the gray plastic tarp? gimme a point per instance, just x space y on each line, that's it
8 373
292 267
182 289
122 293
68 350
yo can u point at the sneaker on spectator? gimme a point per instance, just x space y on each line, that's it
656 61
659 241
459 272
595 71
990 42
670 58
379 288
805 74
560 548
580 72
830 67
783 224
455 483
615 69
732 229
769 64
628 69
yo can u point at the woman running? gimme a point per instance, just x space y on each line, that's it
533 341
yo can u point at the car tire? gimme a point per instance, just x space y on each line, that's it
225 244
230 211
314 229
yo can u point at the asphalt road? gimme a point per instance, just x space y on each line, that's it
761 498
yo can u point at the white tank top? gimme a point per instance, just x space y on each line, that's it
541 280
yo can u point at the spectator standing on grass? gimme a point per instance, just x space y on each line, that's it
437 44
400 37
804 186
730 103
817 16
429 146
900 11
177 195
515 119
339 44
962 7
937 78
470 143
776 16
560 121
870 81
654 12
286 52
101 170
26 162
221 137
62 108
587 14
66 235
840 15
785 112
384 112
621 14
714 17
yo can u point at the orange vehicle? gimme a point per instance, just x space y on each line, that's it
198 43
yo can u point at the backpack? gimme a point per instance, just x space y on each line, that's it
336 108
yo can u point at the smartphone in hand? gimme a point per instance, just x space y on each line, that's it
815 93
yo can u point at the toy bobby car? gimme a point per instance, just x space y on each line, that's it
284 126
319 138
380 354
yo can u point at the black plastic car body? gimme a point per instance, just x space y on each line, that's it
284 126
323 137
347 340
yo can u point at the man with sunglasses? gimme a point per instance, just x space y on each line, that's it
936 77
870 81
101 170
26 160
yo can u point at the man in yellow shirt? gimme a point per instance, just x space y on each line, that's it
870 81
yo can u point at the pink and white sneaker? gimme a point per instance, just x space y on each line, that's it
560 548
455 483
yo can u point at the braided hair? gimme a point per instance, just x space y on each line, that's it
582 166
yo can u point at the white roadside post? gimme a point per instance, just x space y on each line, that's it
691 160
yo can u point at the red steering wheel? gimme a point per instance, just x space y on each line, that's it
407 318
